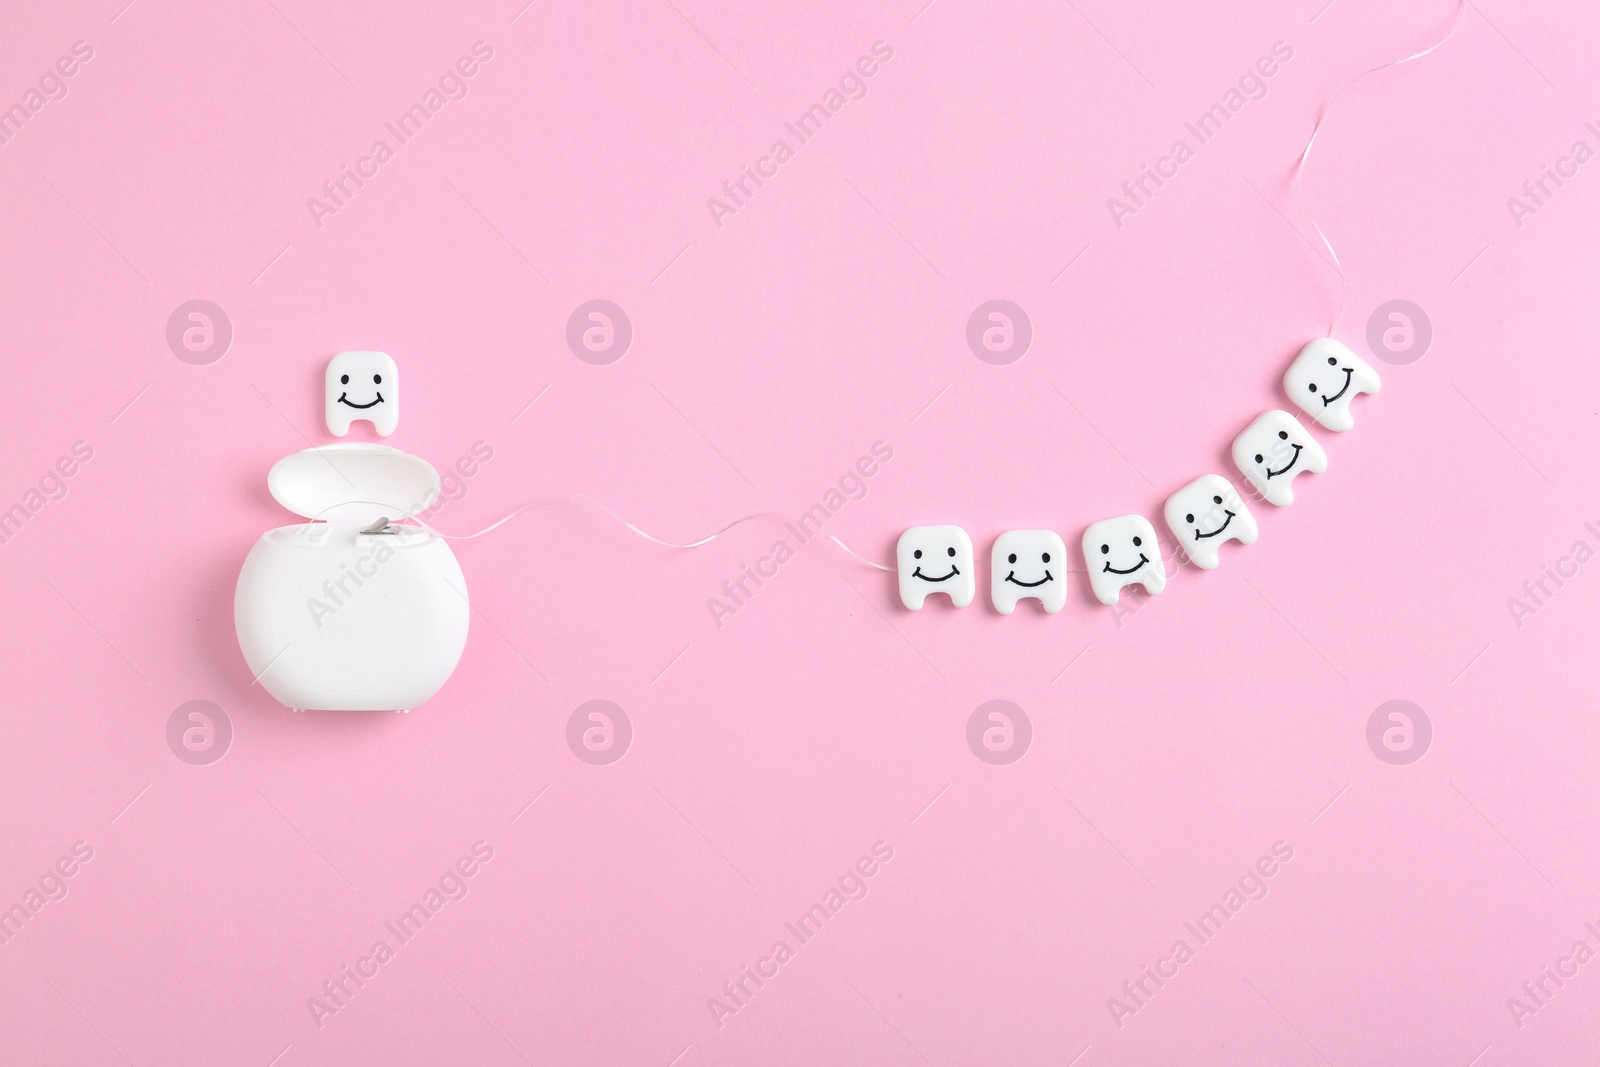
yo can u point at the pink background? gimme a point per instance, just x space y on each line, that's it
1171 748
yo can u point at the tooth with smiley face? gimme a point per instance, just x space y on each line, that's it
1324 378
935 559
1121 552
1205 513
362 386
1272 450
1028 563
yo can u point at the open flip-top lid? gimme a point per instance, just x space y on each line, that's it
353 482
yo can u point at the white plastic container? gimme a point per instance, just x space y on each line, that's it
332 617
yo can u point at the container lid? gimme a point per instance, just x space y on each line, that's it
353 482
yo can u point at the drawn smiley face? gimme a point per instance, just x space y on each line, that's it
1272 450
1205 513
1028 564
1324 378
362 386
377 398
935 559
1226 516
1138 544
1121 552
1327 397
953 572
1288 466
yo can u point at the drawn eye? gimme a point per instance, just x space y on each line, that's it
377 379
1332 362
1137 542
1045 557
1258 457
1216 500
1188 518
917 554
1313 387
344 379
1283 435
1011 558
1105 550
951 551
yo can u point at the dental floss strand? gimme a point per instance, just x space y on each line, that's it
1305 155
382 526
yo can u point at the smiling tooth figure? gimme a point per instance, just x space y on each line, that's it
1205 513
1324 378
1121 552
935 559
1028 563
1272 450
363 385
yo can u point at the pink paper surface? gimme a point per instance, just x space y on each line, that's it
812 730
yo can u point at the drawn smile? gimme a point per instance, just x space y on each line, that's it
1143 559
942 578
1198 535
1292 461
344 399
1012 578
1349 374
